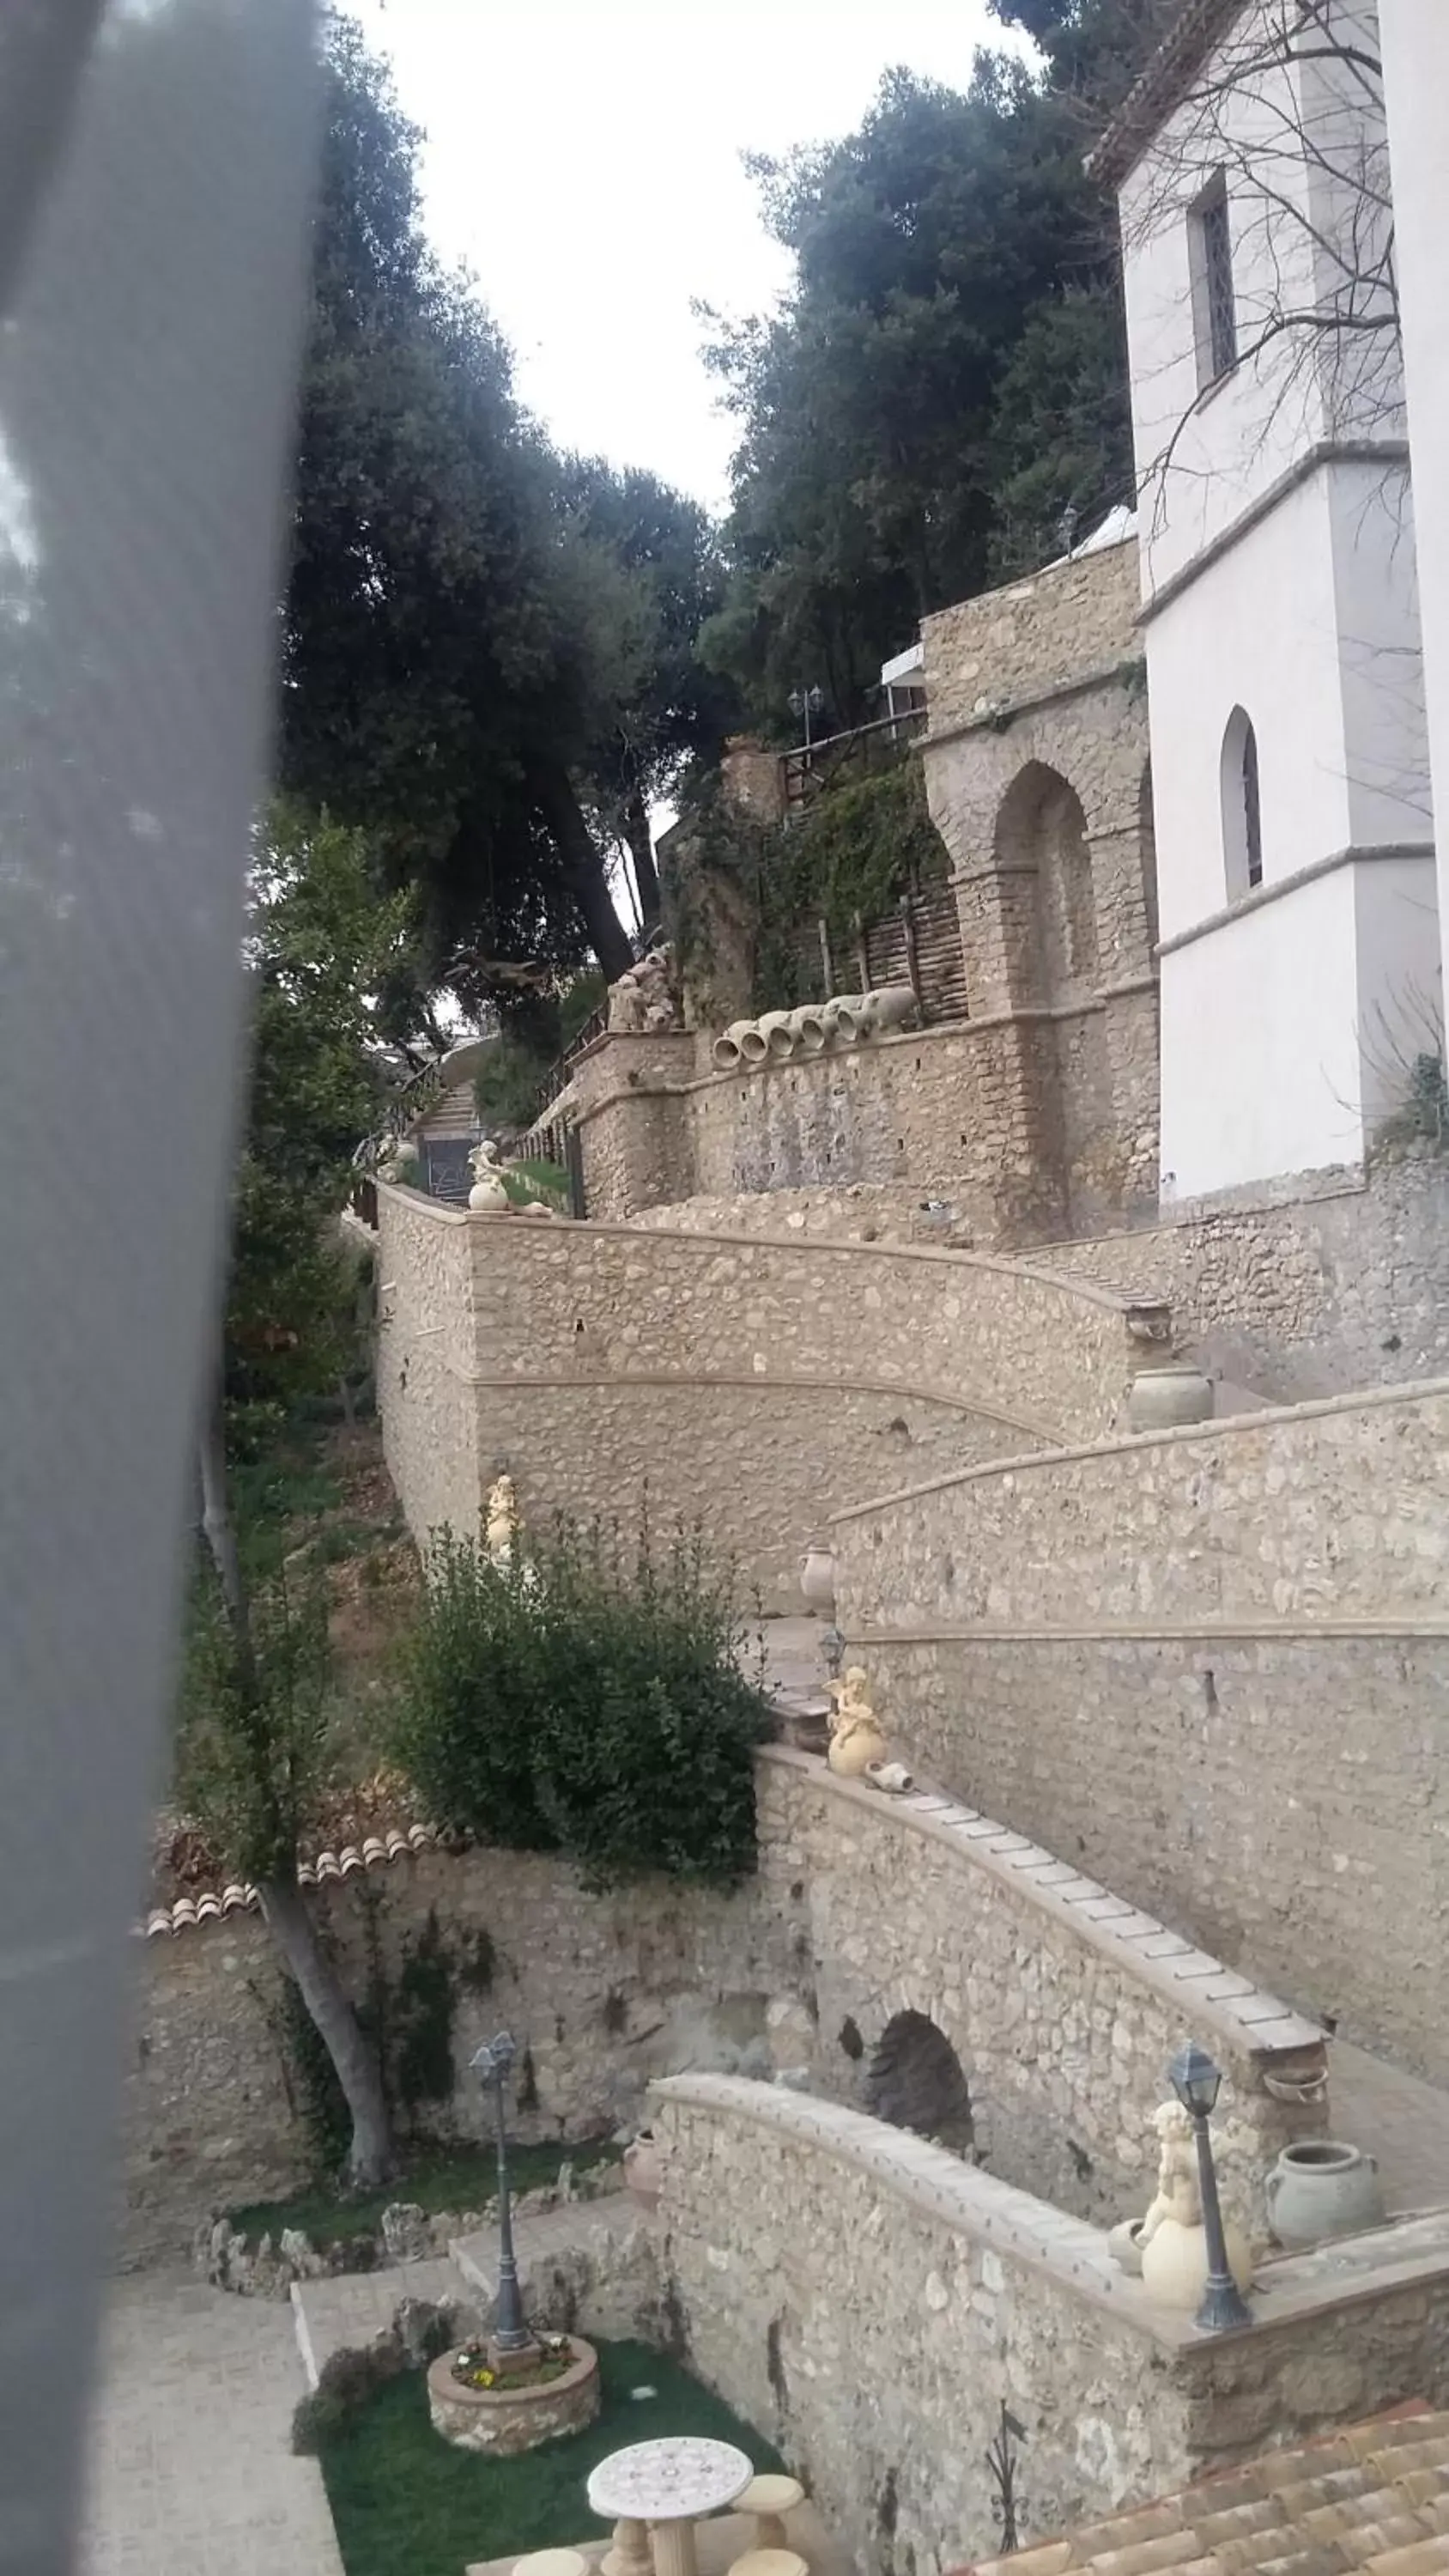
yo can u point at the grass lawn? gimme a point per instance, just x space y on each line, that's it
438 2178
403 2499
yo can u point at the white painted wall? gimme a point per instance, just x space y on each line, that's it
1260 1055
1259 629
1415 43
1400 985
1202 460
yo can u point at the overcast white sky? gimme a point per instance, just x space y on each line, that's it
583 157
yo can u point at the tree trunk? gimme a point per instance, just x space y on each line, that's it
288 1919
582 871
284 1907
219 1531
641 851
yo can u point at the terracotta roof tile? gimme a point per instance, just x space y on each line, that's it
1372 2497
373 1852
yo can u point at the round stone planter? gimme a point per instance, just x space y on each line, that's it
504 2420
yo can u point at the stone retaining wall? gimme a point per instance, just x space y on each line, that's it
869 2303
1332 1510
1210 1664
1062 2003
1301 1296
754 1386
861 1908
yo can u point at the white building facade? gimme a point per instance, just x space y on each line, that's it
1296 885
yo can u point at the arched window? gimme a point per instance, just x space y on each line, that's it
1242 811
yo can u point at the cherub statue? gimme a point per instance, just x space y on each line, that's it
855 1737
1178 2196
487 1197
626 1006
501 1517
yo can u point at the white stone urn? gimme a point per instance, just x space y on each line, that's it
644 2170
1321 2188
817 1578
1159 1399
1175 2265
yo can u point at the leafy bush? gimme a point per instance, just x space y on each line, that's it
591 1702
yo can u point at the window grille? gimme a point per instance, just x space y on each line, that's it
1214 298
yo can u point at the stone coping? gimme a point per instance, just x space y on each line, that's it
1068 2252
1245 2020
1068 1632
1086 1292
1405 1396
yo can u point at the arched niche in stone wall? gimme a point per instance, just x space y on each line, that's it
915 2080
1041 834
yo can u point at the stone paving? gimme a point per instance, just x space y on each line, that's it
1396 2117
190 2472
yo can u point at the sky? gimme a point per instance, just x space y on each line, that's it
583 158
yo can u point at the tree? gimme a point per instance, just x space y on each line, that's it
895 399
658 572
433 683
254 1698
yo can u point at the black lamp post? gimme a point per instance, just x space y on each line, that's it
807 703
510 2334
1195 2080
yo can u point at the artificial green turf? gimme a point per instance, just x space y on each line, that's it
406 2503
432 2179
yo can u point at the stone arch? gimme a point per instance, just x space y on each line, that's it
915 2080
1041 838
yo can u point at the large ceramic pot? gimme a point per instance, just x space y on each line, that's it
728 1048
1174 2263
817 1579
807 1030
1159 1399
847 1018
1321 2188
773 1036
854 1749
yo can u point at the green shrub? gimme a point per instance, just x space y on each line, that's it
591 1702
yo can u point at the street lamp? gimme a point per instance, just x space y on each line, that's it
511 2344
805 703
1195 2080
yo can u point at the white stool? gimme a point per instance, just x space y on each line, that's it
769 2499
630 2555
770 2562
552 2562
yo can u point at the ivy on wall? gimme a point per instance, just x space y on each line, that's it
847 860
409 2015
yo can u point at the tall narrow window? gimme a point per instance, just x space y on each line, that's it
1242 811
1214 304
1252 812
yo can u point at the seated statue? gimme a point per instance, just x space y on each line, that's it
1178 2196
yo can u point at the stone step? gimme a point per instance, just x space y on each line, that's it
349 2309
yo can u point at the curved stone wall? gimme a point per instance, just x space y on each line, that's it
1211 1662
1061 2002
870 2302
756 1386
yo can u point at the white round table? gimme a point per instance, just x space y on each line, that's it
666 2484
